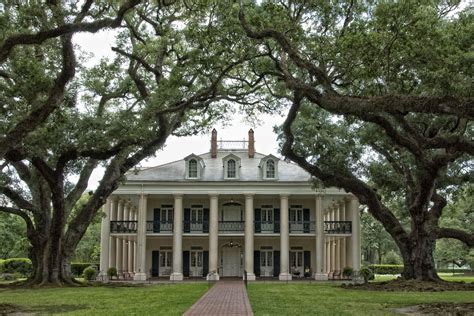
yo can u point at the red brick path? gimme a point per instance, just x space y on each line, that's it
226 297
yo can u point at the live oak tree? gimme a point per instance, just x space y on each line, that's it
168 76
381 104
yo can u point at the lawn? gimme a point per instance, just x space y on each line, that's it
329 299
445 276
162 299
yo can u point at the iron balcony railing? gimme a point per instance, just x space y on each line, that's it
159 226
267 227
231 226
123 226
196 226
338 227
302 227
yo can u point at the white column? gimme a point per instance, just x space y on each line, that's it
126 211
213 237
177 274
342 215
104 240
349 239
113 242
135 242
338 239
249 231
119 253
319 273
141 274
130 243
354 205
332 247
284 239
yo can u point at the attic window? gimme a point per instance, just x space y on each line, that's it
270 169
231 169
193 169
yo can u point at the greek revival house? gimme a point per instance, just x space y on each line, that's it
225 213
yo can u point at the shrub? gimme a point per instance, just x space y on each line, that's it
112 272
366 273
78 268
347 272
89 273
8 276
386 268
17 265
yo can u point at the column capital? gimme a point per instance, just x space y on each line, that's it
178 194
213 194
249 195
284 195
121 201
319 195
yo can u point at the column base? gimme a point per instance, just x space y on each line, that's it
212 277
103 277
140 276
284 277
250 277
321 277
176 276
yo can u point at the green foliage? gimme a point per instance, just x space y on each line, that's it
89 273
77 268
347 271
366 273
386 268
17 265
12 237
112 272
392 258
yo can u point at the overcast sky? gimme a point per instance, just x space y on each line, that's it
177 148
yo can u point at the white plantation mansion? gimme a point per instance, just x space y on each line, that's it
225 213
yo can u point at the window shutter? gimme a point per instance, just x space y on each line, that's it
205 224
205 263
187 220
306 220
155 263
276 263
307 259
156 220
256 262
258 223
276 216
186 263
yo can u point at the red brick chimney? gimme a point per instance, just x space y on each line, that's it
214 144
251 144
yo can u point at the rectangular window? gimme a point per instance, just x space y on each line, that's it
166 214
296 214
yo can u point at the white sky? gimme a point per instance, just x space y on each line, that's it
177 148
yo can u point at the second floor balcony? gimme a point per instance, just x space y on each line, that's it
232 227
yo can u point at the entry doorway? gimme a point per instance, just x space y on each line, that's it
231 262
196 264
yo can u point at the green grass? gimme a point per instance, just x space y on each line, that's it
329 299
445 276
163 299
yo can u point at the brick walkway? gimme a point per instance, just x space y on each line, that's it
226 297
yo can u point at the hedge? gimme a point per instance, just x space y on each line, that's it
398 269
17 265
78 268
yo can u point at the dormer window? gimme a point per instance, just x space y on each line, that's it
270 169
231 168
194 167
231 164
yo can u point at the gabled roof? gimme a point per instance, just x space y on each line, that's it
213 170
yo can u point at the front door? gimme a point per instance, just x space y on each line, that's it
165 262
296 220
266 263
267 218
196 263
231 261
